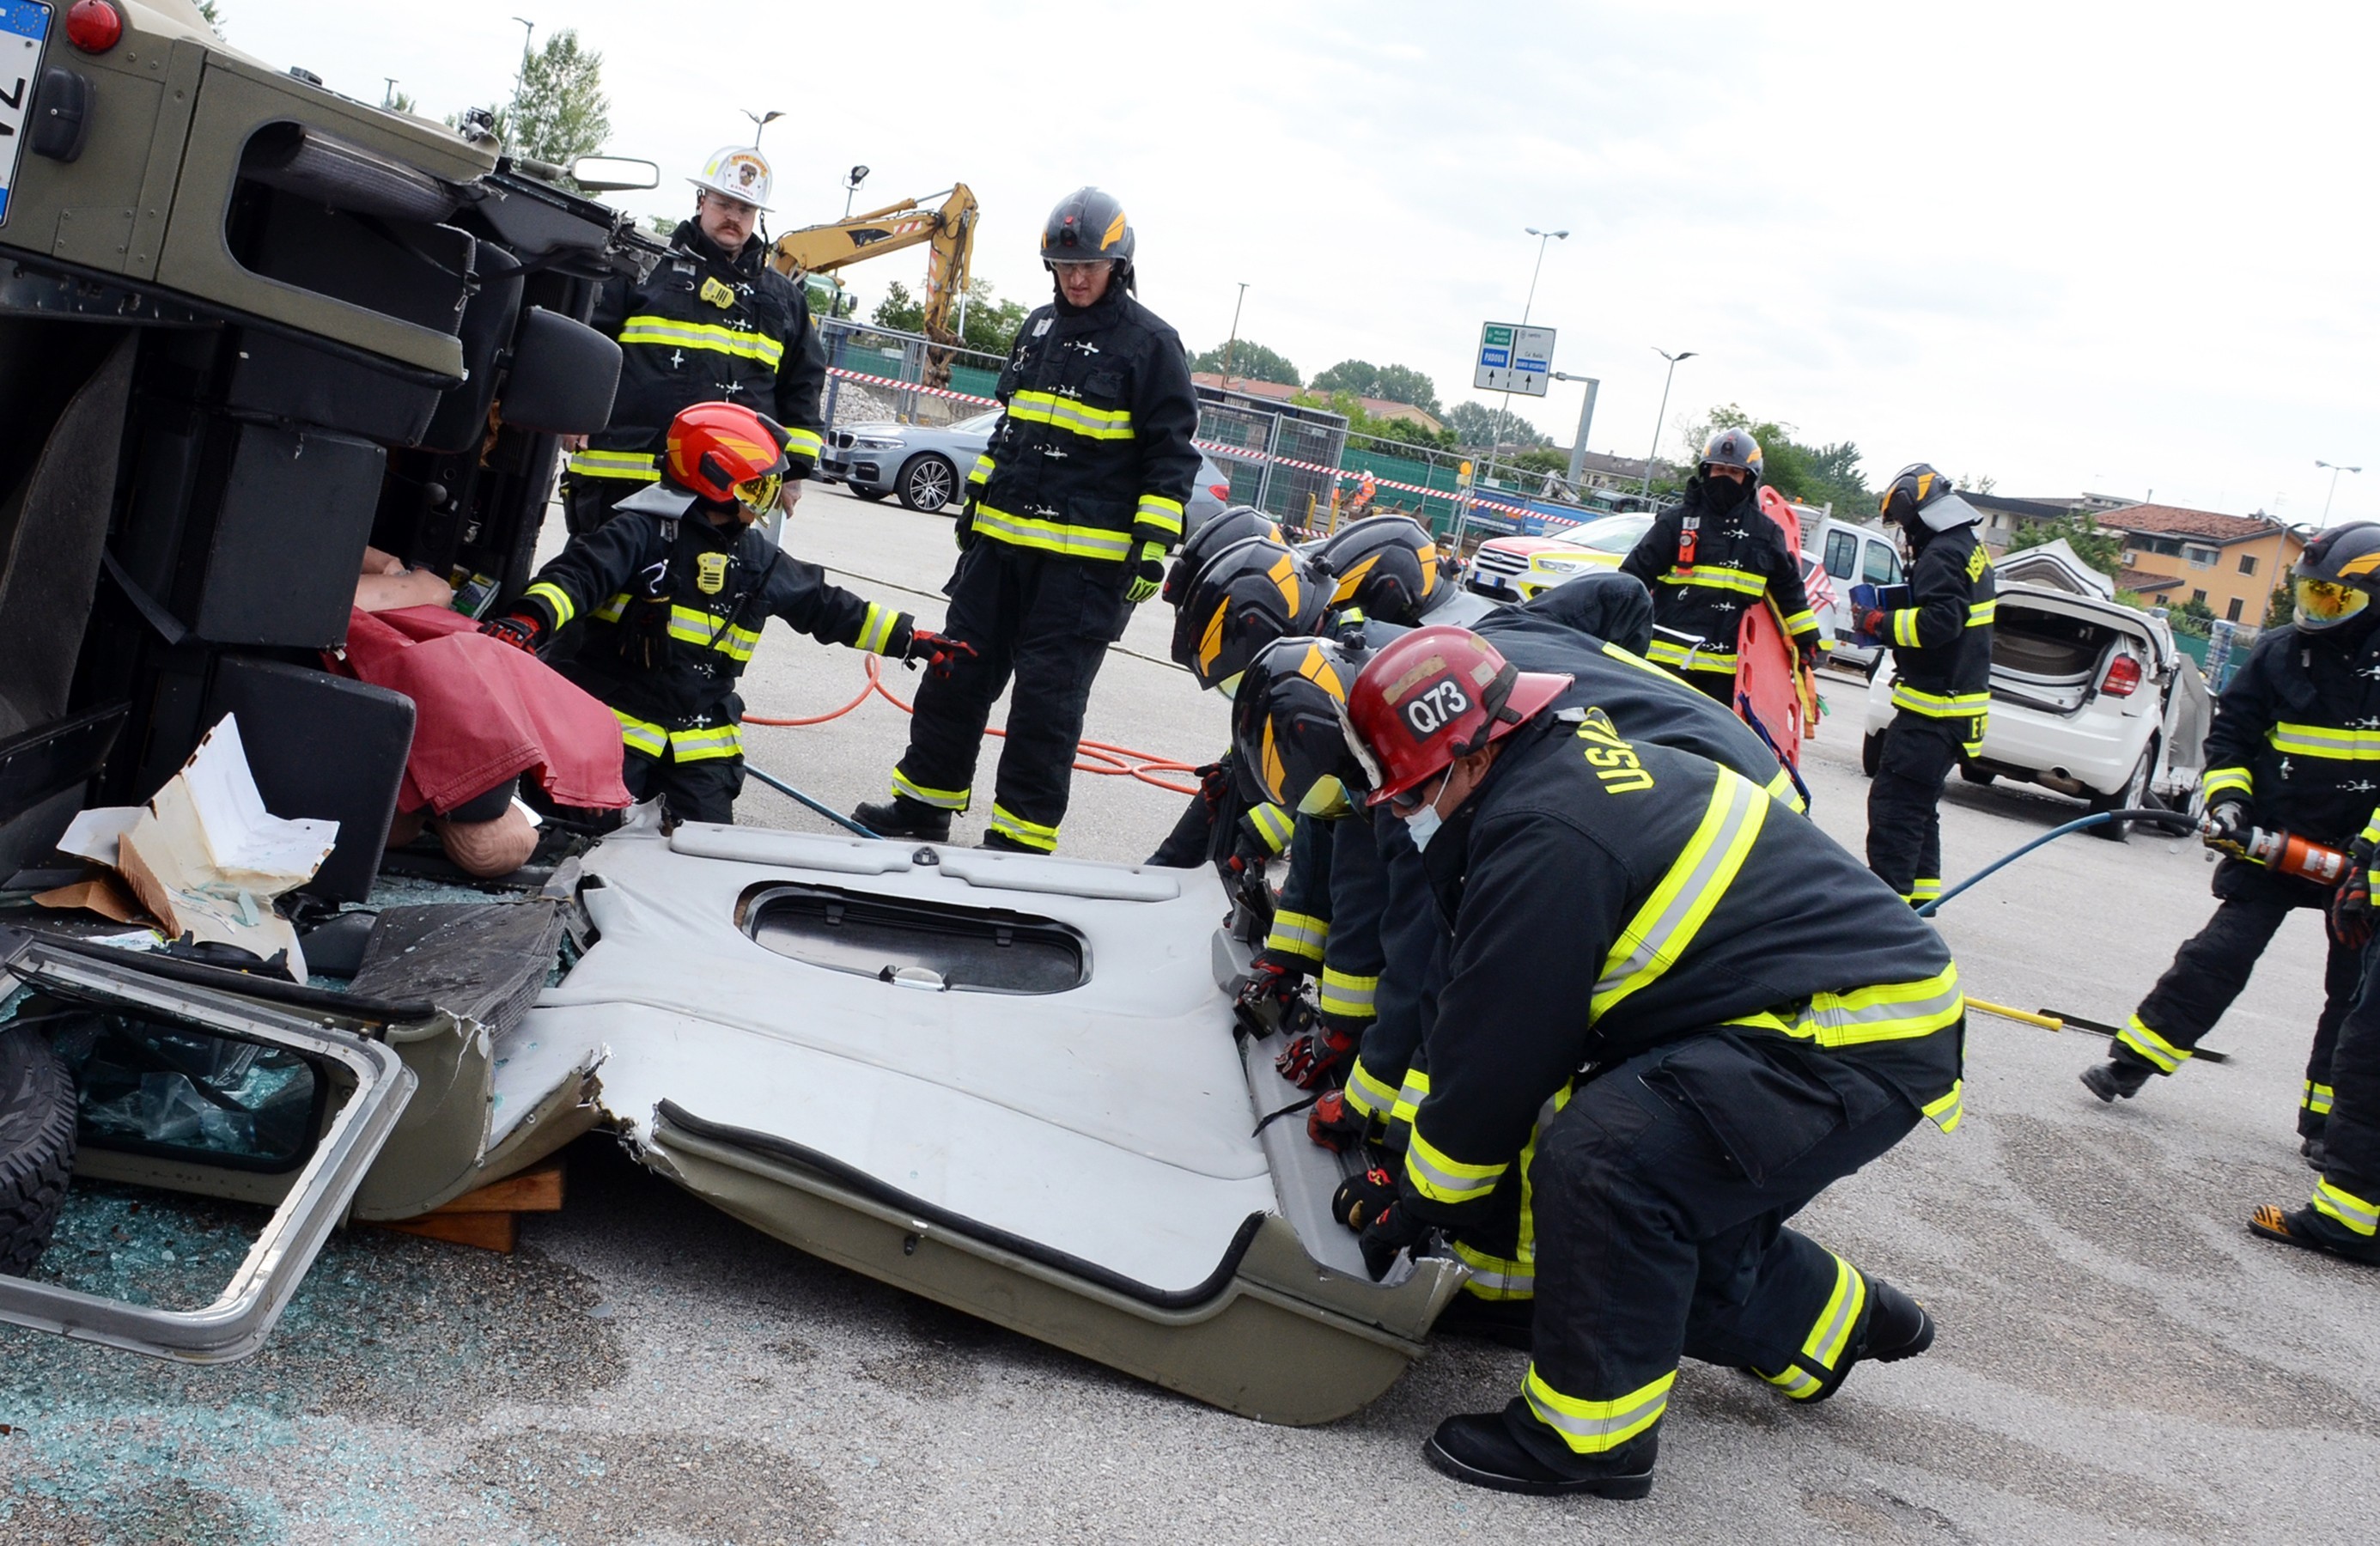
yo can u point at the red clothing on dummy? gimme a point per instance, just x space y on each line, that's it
483 713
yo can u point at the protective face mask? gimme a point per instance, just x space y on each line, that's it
1422 825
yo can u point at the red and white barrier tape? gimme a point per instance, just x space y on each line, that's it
912 386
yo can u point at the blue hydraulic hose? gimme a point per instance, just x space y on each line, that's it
2173 819
837 817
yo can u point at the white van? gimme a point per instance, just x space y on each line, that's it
1850 556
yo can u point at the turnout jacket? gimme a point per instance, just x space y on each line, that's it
674 608
1093 457
1704 568
1690 904
2297 735
706 326
1942 640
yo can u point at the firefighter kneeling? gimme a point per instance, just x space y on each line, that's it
1721 1044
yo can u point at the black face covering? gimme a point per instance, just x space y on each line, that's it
1722 496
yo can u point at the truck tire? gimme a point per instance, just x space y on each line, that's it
1871 752
37 1145
2134 796
927 482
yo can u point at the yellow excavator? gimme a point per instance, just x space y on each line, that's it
950 229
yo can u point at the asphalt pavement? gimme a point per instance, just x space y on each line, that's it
2118 1358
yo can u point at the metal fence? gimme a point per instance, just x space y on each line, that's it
881 374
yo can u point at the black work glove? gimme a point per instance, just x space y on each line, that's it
1331 1124
939 652
1272 977
2351 916
1313 1059
963 528
2225 826
520 630
1362 1198
1387 1238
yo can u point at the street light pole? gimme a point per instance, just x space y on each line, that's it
2334 470
1504 406
1646 492
529 32
1585 417
1233 347
760 121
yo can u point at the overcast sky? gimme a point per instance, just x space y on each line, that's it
2070 247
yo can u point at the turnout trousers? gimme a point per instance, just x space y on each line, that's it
699 791
1045 622
1904 816
2347 1199
2213 965
1660 1192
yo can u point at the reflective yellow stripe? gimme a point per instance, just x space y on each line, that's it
1346 995
1700 657
1829 1335
1718 577
1050 536
1802 622
1629 657
1781 790
1981 614
1033 834
609 611
707 744
1071 414
1947 1111
692 626
556 599
2350 1210
2316 1099
1904 627
640 735
942 799
636 466
1925 888
1497 1277
876 628
1367 1093
1156 510
1443 1179
1940 705
1516 1277
1410 1095
984 466
2326 740
2370 833
669 333
1889 1012
803 442
1595 1426
1273 824
2162 1054
1298 934
2215 781
1665 926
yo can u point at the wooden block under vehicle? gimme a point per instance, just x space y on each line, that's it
489 1218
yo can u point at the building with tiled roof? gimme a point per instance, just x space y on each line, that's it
2228 563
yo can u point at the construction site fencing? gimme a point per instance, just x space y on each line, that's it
881 374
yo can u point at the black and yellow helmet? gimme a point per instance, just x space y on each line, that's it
1919 495
2336 576
1385 567
1245 597
1211 536
1732 448
1087 224
1289 741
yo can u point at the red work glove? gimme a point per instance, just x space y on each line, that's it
939 651
1876 623
521 630
2352 917
1313 1059
1331 1124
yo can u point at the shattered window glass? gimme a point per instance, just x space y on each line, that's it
156 1088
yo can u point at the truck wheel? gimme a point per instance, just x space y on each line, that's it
37 1145
927 482
2134 796
1871 752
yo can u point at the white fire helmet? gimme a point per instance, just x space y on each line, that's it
739 172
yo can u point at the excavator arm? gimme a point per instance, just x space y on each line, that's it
950 231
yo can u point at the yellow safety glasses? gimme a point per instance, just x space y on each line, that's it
2321 603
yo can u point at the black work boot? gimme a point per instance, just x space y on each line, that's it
1509 1322
902 817
2306 1228
2119 1078
1894 1327
1482 1450
1001 842
2316 1156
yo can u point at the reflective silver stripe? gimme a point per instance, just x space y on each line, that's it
876 628
2324 740
667 332
1719 576
1833 1331
1071 414
1665 926
941 799
1346 995
2162 1054
1594 1426
1073 542
2346 1208
636 466
641 735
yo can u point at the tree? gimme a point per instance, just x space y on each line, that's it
400 102
991 324
559 112
2103 551
2193 617
1477 425
2282 608
1395 383
1251 361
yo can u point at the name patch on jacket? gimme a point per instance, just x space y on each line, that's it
1613 760
710 573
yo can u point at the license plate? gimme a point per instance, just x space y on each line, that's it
24 25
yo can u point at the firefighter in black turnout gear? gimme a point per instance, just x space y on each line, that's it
673 591
1709 556
2293 748
1715 1044
1070 511
1941 637
712 322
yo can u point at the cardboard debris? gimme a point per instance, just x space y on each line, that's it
205 856
103 895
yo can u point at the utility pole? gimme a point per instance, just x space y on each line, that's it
528 31
388 97
1585 417
2334 470
1504 406
1232 347
1646 492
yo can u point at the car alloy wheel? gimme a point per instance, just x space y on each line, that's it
927 483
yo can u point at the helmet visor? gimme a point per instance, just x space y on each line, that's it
759 495
1326 796
2321 603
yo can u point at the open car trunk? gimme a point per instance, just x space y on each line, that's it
2050 650
1009 1083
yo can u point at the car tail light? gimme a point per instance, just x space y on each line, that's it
2124 676
94 25
1220 491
